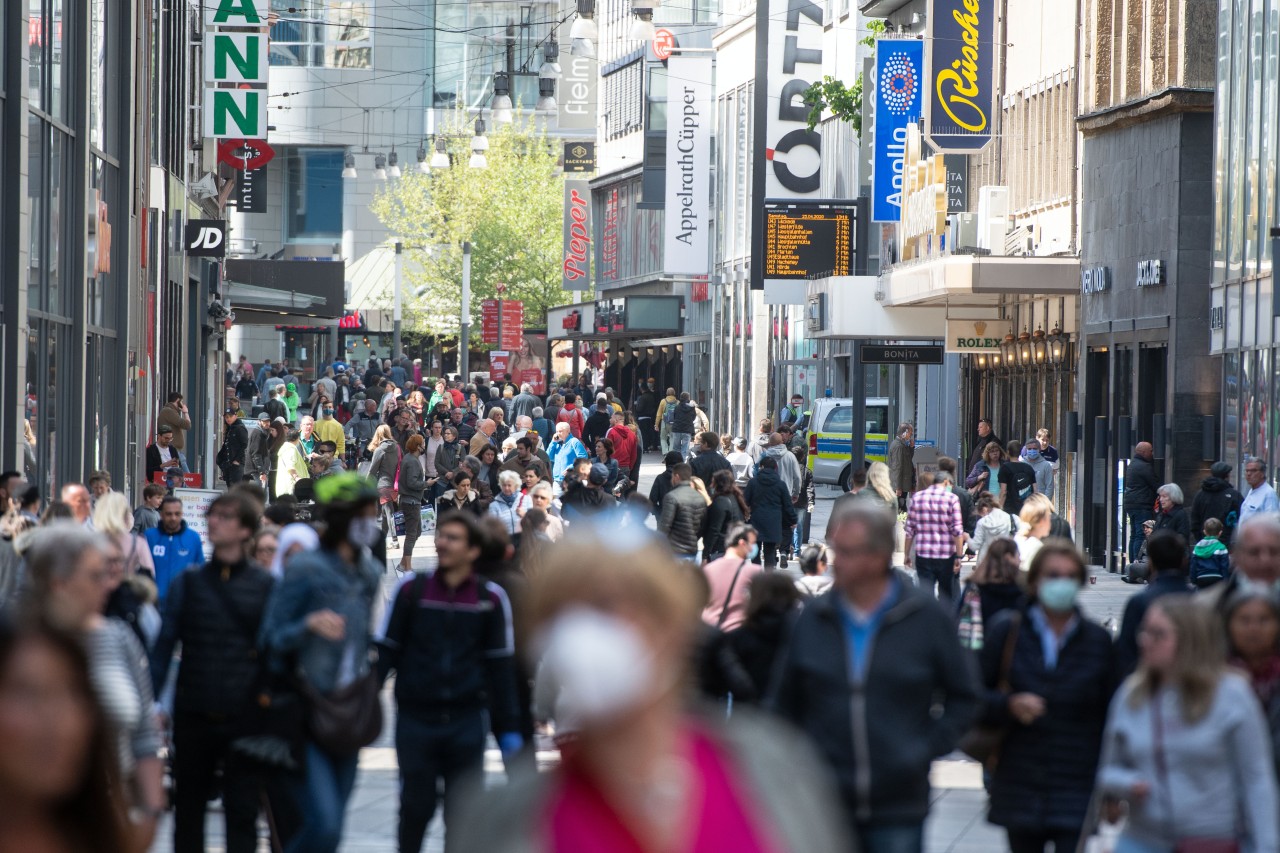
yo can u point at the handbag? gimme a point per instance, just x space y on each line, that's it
982 742
391 495
724 609
970 628
1182 845
347 719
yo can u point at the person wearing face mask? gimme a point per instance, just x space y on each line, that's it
317 625
328 429
449 639
613 637
1032 455
1048 673
1255 562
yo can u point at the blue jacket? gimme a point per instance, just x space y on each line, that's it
563 454
770 503
320 580
173 553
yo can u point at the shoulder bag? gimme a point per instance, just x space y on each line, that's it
724 610
1181 845
982 742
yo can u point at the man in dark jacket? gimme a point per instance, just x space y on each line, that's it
708 461
985 436
598 423
449 639
257 462
1140 486
902 471
875 676
662 482
773 512
646 411
215 612
1218 499
584 496
683 425
235 442
683 511
1167 561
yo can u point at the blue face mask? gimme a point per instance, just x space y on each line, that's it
1031 455
1059 594
755 551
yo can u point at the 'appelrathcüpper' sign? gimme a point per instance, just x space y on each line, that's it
960 103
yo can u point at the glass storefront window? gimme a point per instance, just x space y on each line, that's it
1236 164
1262 407
36 171
1247 400
325 34
58 167
1231 409
1220 143
313 193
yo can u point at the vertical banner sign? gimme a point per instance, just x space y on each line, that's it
235 69
960 108
898 100
690 108
577 95
577 235
788 156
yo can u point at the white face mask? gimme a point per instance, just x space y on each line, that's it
601 663
363 532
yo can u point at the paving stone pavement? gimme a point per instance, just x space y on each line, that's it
957 819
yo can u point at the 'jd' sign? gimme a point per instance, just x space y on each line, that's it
238 58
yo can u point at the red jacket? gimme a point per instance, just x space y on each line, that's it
572 415
624 446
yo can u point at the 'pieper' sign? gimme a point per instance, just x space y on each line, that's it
577 235
960 105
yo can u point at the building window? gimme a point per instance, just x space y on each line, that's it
622 100
323 34
313 194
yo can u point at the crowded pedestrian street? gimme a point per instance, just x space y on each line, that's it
698 426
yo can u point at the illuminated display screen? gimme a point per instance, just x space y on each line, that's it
808 243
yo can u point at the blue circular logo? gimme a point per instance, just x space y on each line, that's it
899 84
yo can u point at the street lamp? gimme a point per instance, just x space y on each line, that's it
546 94
550 59
422 160
583 32
380 167
393 165
642 26
440 159
349 165
501 105
479 145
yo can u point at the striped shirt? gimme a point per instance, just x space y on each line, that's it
934 522
122 680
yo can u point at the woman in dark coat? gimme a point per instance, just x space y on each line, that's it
774 601
727 508
1060 680
772 514
1172 515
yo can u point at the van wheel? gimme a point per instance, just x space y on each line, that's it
843 482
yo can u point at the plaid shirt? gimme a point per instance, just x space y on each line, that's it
933 523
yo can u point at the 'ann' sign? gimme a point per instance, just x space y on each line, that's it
960 101
235 69
577 235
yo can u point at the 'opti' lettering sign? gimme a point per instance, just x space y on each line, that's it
577 235
961 104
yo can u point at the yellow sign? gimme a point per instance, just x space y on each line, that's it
923 226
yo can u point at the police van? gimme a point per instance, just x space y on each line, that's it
831 437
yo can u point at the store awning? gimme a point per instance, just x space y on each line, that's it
957 280
670 342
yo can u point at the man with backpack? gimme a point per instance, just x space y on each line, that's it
666 416
684 423
215 612
449 638
1017 480
572 415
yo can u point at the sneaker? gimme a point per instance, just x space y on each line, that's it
782 561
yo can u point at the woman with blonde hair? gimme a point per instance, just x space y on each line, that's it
614 636
879 490
985 474
1185 742
1036 516
112 517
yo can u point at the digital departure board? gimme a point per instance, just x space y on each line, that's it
808 241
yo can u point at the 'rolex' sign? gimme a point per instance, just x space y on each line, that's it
235 69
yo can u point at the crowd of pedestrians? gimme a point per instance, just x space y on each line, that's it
704 693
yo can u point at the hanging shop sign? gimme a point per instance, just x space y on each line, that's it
578 87
960 106
235 70
576 267
690 110
206 238
913 354
788 155
923 226
967 336
579 157
898 102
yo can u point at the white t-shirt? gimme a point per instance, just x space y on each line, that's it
166 453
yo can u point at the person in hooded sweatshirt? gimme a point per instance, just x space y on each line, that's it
1218 499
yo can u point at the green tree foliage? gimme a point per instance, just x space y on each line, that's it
510 212
843 101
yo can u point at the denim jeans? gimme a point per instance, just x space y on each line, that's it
800 533
680 443
1137 535
322 798
890 837
941 572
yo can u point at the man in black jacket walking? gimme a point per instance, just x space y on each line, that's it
683 424
449 639
257 463
1140 487
708 461
875 675
1218 499
235 442
214 612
